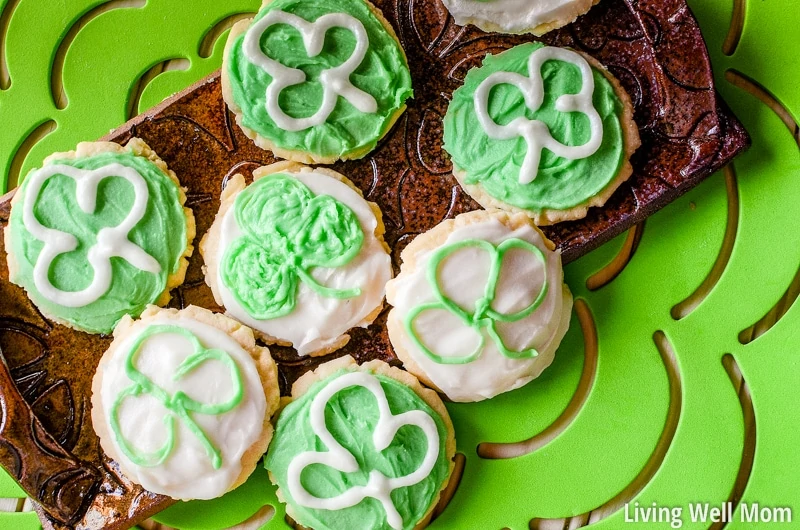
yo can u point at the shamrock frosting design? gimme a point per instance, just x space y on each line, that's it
287 232
335 81
540 129
535 132
483 317
318 81
111 241
89 225
379 486
178 405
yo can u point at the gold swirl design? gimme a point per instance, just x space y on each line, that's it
690 303
59 96
492 450
653 464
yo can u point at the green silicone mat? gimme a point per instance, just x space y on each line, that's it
680 380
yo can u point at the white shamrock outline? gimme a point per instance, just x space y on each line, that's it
535 132
335 81
111 241
379 486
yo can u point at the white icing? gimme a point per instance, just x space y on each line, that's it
111 241
318 321
335 81
379 486
462 277
187 473
513 16
535 132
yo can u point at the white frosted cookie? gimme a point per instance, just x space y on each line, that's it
182 400
480 305
298 256
361 447
518 16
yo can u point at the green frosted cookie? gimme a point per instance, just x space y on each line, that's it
361 447
316 81
99 233
541 130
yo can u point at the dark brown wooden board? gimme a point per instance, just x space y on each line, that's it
653 46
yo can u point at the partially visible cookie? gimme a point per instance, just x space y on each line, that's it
361 447
316 81
541 130
480 305
182 400
298 256
518 16
99 233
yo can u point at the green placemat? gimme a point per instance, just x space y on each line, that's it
701 408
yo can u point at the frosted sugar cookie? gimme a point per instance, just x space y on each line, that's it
182 400
99 233
518 16
298 256
316 81
541 130
480 305
361 447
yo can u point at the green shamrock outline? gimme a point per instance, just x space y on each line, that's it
483 316
287 232
178 405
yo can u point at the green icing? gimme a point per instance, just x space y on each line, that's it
161 233
350 417
178 405
287 232
495 164
383 74
483 315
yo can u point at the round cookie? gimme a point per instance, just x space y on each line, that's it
182 400
316 81
518 16
99 233
361 447
298 256
480 305
541 130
